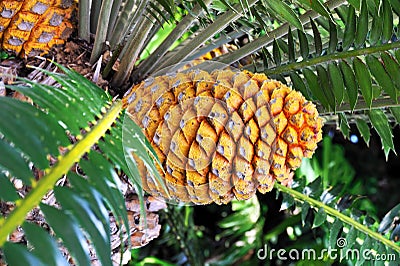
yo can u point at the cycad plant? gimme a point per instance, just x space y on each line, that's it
341 55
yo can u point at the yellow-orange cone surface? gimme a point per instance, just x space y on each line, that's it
222 135
32 27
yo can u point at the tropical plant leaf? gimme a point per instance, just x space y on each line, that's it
16 254
364 130
380 123
85 206
17 115
285 12
45 246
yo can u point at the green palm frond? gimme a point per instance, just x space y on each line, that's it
129 30
76 109
348 63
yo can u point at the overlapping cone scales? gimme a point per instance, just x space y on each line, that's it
32 27
298 128
221 135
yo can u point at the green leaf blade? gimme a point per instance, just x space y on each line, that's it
337 82
392 68
12 160
381 76
17 254
334 232
89 220
68 230
45 247
286 12
364 130
350 83
387 15
313 85
44 137
380 123
7 189
320 217
350 29
364 80
362 26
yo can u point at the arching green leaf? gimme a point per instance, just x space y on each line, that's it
334 232
333 38
362 25
283 10
7 189
96 226
276 51
17 254
44 136
305 207
291 48
381 76
313 85
317 38
44 246
68 230
350 29
344 125
364 130
351 238
350 83
380 123
317 6
320 217
304 50
396 113
363 79
355 3
102 176
12 160
392 68
325 86
396 6
387 16
298 84
337 82
376 29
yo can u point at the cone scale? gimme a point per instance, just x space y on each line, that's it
222 135
32 27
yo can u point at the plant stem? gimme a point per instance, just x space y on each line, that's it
335 213
110 64
101 31
84 20
362 106
154 59
62 167
330 57
126 21
131 51
217 26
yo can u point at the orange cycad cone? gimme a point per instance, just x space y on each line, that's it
222 135
32 27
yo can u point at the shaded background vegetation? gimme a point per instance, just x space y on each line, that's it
370 176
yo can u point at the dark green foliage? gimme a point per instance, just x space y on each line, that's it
328 180
65 112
